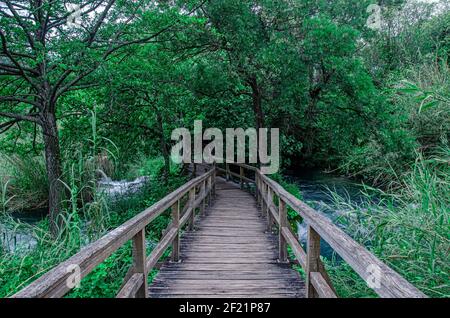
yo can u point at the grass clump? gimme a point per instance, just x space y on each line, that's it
407 228
23 183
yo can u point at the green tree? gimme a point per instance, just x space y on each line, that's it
43 57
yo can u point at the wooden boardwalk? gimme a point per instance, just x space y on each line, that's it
229 254
225 250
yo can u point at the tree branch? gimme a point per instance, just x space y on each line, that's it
30 117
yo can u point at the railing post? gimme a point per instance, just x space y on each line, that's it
209 189
227 171
269 203
257 189
176 224
262 198
194 171
192 206
282 245
241 176
203 195
312 260
214 175
139 262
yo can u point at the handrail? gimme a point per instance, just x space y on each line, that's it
386 282
57 282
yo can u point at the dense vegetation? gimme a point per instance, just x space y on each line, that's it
101 92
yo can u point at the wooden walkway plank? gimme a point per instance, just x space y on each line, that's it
229 255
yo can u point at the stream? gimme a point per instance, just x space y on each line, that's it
315 187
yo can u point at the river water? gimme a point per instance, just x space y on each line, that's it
316 187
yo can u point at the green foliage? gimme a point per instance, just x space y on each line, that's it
407 228
23 182
150 167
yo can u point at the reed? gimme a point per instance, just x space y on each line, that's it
407 227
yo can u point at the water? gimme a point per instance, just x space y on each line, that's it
315 188
118 189
21 238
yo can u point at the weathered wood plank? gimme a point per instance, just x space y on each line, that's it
297 249
131 287
158 251
139 264
321 286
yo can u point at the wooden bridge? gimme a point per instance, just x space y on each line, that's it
227 240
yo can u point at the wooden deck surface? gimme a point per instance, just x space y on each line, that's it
228 255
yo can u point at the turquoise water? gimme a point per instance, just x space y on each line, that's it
316 187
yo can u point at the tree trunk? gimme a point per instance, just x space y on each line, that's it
164 146
257 102
310 134
54 169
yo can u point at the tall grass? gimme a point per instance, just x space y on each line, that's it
23 182
419 121
408 228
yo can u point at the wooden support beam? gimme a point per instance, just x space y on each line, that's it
159 250
268 205
192 205
131 288
282 246
139 262
203 194
214 177
257 189
312 260
209 189
297 249
321 286
175 257
263 199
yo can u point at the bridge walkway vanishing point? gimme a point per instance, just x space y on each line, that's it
226 242
229 254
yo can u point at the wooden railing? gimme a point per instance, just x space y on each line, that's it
384 281
274 201
193 195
